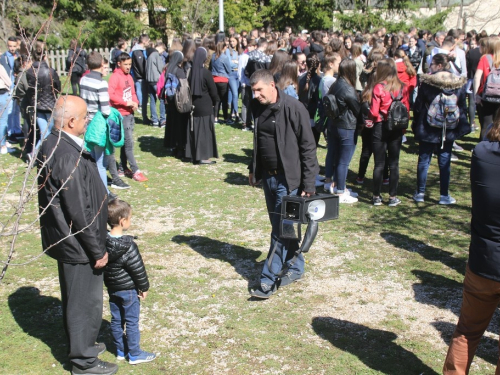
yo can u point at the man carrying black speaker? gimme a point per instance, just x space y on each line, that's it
284 158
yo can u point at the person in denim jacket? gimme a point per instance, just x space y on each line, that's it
221 69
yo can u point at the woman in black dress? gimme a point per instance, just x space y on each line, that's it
176 127
201 143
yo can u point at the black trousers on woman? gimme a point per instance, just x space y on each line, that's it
385 141
486 112
366 153
222 92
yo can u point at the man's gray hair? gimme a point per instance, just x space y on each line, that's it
262 75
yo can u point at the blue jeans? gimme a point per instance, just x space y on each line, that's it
14 121
4 115
233 92
152 104
125 308
425 151
138 90
45 127
98 153
344 144
275 188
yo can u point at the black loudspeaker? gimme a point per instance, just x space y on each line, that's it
297 210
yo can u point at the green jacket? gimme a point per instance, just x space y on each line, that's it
105 132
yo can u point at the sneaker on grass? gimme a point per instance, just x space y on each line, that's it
377 201
264 292
393 202
119 184
139 176
101 368
141 358
290 277
120 356
418 197
447 199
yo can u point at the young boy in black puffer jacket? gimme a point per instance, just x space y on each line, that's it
127 282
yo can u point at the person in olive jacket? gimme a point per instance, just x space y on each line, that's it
342 130
127 281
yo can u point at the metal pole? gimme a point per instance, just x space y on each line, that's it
221 15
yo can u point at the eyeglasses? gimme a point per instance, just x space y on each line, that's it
302 62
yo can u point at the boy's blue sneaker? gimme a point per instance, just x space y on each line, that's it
141 358
120 356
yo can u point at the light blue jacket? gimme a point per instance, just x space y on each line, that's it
221 67
232 56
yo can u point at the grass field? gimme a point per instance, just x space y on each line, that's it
381 293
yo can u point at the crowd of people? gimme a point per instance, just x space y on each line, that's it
295 88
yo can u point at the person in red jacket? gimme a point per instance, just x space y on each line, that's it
406 72
122 96
384 140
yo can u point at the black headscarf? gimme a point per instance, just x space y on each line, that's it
174 61
197 71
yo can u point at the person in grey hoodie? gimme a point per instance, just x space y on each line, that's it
154 68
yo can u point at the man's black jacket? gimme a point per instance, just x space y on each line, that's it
295 143
73 201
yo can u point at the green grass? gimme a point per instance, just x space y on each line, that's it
381 293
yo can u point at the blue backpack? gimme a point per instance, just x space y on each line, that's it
170 88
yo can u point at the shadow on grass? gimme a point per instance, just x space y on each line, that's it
431 253
374 347
236 178
239 159
152 145
488 347
241 258
41 317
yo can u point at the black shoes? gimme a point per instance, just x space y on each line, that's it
102 368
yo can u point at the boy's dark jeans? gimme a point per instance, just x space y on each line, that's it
125 308
127 151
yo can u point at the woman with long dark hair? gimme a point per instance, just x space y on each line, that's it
431 139
387 85
233 53
308 89
342 130
221 69
201 143
288 81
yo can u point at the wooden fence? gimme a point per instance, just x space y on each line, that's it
57 59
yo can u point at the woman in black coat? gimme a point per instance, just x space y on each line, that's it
482 276
342 130
432 139
201 143
176 126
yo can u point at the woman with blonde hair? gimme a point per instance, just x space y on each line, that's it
387 86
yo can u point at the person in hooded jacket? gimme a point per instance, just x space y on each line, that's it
127 281
431 140
482 274
342 130
317 38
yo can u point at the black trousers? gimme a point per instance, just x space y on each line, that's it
75 82
222 91
389 142
81 295
486 112
366 153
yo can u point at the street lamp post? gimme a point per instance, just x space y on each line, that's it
221 15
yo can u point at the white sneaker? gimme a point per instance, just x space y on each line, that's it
418 197
403 140
447 199
6 150
347 191
346 198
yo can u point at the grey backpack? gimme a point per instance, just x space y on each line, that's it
183 100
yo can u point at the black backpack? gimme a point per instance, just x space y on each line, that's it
398 116
330 106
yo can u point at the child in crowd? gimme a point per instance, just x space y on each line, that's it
94 90
127 282
122 96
